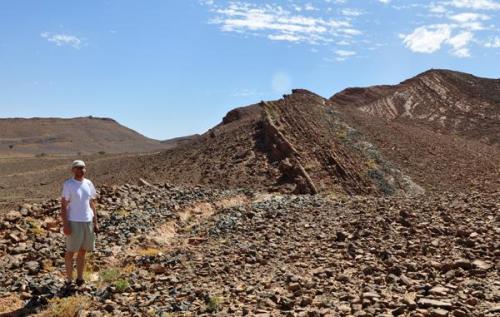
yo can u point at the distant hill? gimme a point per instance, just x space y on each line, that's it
441 127
171 143
85 135
447 102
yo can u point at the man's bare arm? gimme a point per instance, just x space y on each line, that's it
64 216
92 205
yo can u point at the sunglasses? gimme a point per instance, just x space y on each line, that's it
80 167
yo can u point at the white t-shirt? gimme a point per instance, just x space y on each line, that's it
79 195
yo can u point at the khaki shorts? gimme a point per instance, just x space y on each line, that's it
81 238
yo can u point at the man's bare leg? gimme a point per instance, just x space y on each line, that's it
80 264
68 259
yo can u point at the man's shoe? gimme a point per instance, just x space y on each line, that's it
67 289
79 282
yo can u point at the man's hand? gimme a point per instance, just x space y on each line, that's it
96 227
66 229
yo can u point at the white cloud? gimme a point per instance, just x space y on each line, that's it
461 52
351 12
277 23
344 53
430 39
493 43
459 43
469 17
284 37
475 4
427 39
455 25
62 39
460 40
437 8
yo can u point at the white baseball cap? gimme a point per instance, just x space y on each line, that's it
78 163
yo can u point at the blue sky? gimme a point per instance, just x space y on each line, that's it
175 67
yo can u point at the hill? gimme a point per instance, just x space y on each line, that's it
86 135
441 127
447 102
288 145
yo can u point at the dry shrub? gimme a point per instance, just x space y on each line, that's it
66 307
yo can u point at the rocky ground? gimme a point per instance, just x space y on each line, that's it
167 250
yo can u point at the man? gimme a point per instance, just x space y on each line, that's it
79 218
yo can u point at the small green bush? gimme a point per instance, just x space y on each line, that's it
121 285
213 304
109 275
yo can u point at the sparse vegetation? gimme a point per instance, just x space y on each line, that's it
117 277
66 307
47 265
121 285
341 134
35 227
122 212
149 252
129 268
11 146
109 275
43 154
371 164
213 304
101 152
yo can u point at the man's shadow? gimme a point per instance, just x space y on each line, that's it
37 302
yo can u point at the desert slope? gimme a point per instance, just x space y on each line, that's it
86 135
290 145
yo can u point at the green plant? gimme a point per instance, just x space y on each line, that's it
121 285
109 275
213 304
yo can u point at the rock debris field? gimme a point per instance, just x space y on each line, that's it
165 250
